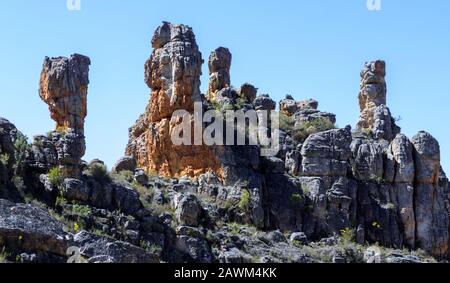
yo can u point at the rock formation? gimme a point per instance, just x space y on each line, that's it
63 86
333 192
219 71
173 73
375 116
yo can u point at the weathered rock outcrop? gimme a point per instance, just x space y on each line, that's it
221 203
289 106
375 116
219 71
98 249
173 73
8 135
63 86
32 229
431 201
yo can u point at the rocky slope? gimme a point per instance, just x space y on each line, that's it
330 195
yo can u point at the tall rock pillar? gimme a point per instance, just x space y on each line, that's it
64 86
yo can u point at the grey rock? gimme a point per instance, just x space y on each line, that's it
384 126
126 199
31 229
299 237
327 153
70 147
104 249
126 163
248 92
276 237
308 115
427 158
189 231
264 102
273 165
197 249
141 177
189 210
233 255
402 151
368 159
293 162
288 106
77 190
308 104
219 70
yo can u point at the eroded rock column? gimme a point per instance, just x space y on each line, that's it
219 71
173 73
64 86
375 115
432 219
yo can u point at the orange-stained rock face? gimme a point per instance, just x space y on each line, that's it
63 86
372 93
173 73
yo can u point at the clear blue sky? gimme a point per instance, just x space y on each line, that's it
305 48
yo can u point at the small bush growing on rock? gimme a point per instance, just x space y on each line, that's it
20 146
55 176
145 194
4 255
286 122
347 235
4 158
244 203
60 201
303 131
240 102
81 210
98 171
296 198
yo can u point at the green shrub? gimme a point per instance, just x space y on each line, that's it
303 131
347 235
123 177
286 122
240 102
296 198
55 176
21 143
21 146
81 210
4 158
98 171
145 194
4 255
60 201
244 203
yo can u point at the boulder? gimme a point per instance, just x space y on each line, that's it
31 229
189 210
299 237
264 102
126 163
327 153
107 250
248 92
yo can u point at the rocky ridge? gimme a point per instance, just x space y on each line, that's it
329 195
